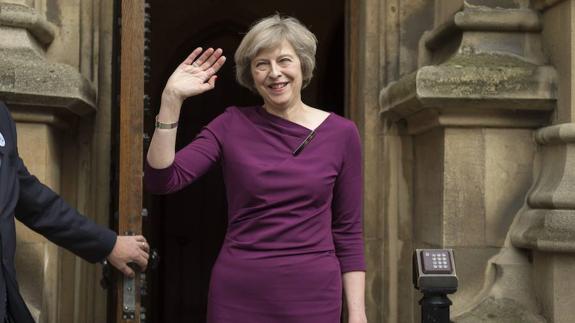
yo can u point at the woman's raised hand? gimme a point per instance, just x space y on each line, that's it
195 75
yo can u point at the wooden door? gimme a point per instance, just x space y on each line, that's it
130 167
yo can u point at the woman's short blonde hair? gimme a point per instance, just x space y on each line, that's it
268 33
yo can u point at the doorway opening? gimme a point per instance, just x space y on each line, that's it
188 227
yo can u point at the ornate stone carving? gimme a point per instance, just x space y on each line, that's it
547 222
482 85
26 77
477 70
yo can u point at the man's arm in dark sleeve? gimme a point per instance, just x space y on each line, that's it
47 213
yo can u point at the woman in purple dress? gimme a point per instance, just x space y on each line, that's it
293 183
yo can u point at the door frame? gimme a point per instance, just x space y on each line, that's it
131 121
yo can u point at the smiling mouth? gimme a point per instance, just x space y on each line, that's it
276 86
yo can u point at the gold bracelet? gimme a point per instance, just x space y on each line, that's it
161 125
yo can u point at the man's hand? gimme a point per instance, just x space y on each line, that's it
129 249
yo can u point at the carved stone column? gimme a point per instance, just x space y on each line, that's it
546 223
28 79
51 103
483 85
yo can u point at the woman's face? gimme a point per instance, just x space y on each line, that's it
277 76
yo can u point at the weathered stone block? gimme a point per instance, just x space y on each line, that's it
553 276
463 186
428 187
509 156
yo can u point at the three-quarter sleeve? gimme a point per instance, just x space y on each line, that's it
190 162
347 226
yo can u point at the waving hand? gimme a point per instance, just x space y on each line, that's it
196 74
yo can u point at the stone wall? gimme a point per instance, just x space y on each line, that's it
55 75
464 89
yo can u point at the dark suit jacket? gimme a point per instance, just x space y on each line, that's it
38 207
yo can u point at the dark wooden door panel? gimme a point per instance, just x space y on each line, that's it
131 133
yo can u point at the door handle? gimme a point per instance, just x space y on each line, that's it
129 295
129 288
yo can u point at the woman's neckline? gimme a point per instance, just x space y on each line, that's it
289 123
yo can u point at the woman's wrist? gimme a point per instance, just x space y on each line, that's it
357 316
169 107
356 311
171 95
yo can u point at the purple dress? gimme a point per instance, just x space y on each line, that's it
294 221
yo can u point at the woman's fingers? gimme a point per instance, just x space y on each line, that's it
203 58
195 75
215 67
208 58
210 77
212 59
212 82
190 59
